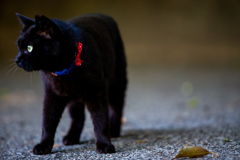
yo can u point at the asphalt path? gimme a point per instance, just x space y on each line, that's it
166 109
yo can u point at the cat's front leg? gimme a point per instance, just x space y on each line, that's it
98 109
52 112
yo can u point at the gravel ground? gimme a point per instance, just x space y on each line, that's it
166 109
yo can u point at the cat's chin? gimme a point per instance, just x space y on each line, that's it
27 70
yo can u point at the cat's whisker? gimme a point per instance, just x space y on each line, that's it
15 35
30 69
31 80
14 71
11 64
4 77
11 69
33 72
4 63
7 67
35 77
11 60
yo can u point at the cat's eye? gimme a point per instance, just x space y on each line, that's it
29 48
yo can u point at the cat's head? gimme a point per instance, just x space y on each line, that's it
40 45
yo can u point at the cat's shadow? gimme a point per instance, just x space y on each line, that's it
132 138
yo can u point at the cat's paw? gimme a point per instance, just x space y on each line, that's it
105 148
70 140
40 149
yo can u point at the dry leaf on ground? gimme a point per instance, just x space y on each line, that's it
192 152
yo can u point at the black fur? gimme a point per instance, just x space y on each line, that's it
99 83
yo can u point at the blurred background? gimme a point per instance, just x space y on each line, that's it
169 33
175 49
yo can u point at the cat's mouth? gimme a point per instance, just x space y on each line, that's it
25 65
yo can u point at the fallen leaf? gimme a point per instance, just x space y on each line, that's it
141 141
56 145
193 151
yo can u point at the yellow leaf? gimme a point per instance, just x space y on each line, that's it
193 151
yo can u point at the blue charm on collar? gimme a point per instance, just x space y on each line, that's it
65 71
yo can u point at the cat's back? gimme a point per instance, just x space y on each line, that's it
91 17
101 26
94 21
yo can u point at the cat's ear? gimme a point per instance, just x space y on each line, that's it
47 28
25 21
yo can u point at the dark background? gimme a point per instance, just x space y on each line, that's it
169 33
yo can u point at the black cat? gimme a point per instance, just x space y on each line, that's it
82 62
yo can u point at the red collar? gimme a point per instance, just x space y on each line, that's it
78 60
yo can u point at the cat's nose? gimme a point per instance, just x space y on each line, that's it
16 60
